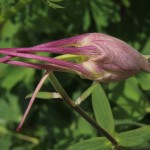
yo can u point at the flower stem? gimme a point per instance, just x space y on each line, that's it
79 110
32 99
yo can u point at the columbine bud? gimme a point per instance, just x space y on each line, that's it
114 60
106 59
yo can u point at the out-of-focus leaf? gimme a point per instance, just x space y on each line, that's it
56 1
143 79
15 75
84 128
146 48
12 8
45 95
52 3
20 136
86 20
134 137
126 3
9 108
102 109
129 97
4 5
98 16
7 34
128 122
99 143
5 141
21 148
101 13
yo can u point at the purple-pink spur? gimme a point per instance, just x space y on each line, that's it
105 58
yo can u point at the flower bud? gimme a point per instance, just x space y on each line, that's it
104 58
114 59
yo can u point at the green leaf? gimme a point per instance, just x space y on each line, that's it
102 109
45 95
122 122
8 31
15 75
5 4
56 1
11 7
84 128
98 143
5 141
53 5
129 97
143 79
134 137
20 136
86 20
9 108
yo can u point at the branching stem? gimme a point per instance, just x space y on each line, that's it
79 110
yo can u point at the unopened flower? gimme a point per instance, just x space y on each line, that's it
101 58
114 59
105 58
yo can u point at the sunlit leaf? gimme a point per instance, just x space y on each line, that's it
92 144
45 95
135 137
143 79
129 97
13 75
52 3
102 109
9 108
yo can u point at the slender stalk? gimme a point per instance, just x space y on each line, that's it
79 110
32 99
20 136
85 94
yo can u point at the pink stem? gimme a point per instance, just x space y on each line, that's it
32 99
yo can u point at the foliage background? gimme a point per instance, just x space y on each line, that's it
51 124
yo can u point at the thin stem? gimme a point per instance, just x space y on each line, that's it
20 136
80 111
32 99
85 94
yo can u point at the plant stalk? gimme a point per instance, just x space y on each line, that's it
79 110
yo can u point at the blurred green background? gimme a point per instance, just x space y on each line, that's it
51 124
